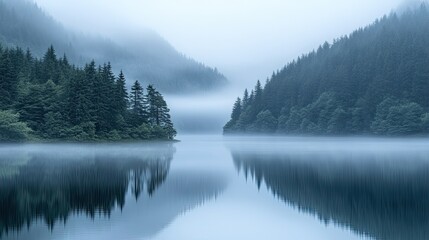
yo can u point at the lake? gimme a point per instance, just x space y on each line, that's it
210 187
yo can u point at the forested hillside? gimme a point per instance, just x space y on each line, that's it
149 57
51 99
374 81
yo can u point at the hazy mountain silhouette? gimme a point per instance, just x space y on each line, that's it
147 57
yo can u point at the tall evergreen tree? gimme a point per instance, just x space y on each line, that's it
245 98
236 111
50 66
103 91
158 112
152 101
8 82
137 103
121 95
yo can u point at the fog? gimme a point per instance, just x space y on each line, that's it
236 36
220 187
245 39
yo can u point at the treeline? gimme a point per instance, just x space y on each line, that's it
49 98
374 81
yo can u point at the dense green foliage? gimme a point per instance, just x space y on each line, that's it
374 81
147 57
11 129
57 100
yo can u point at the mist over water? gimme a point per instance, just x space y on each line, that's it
212 187
204 113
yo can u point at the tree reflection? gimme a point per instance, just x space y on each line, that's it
381 195
53 184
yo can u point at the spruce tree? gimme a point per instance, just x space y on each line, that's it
137 104
106 110
151 98
121 95
245 99
159 113
81 99
236 111
7 81
50 66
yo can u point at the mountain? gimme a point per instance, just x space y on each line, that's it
373 81
148 58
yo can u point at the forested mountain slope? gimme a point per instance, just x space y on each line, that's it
373 81
150 59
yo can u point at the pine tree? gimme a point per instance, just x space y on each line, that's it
158 113
50 66
236 111
151 98
81 103
121 95
257 103
8 82
245 99
28 55
137 103
106 112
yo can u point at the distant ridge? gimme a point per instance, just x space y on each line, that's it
151 60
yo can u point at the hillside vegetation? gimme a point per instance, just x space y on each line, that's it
50 99
374 81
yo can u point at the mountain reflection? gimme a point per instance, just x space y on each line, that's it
51 183
382 194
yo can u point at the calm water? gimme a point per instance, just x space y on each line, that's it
208 187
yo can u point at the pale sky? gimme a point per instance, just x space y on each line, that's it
246 39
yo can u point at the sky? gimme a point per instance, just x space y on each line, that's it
245 39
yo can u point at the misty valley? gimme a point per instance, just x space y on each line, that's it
116 121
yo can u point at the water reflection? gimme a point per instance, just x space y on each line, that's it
53 182
378 189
